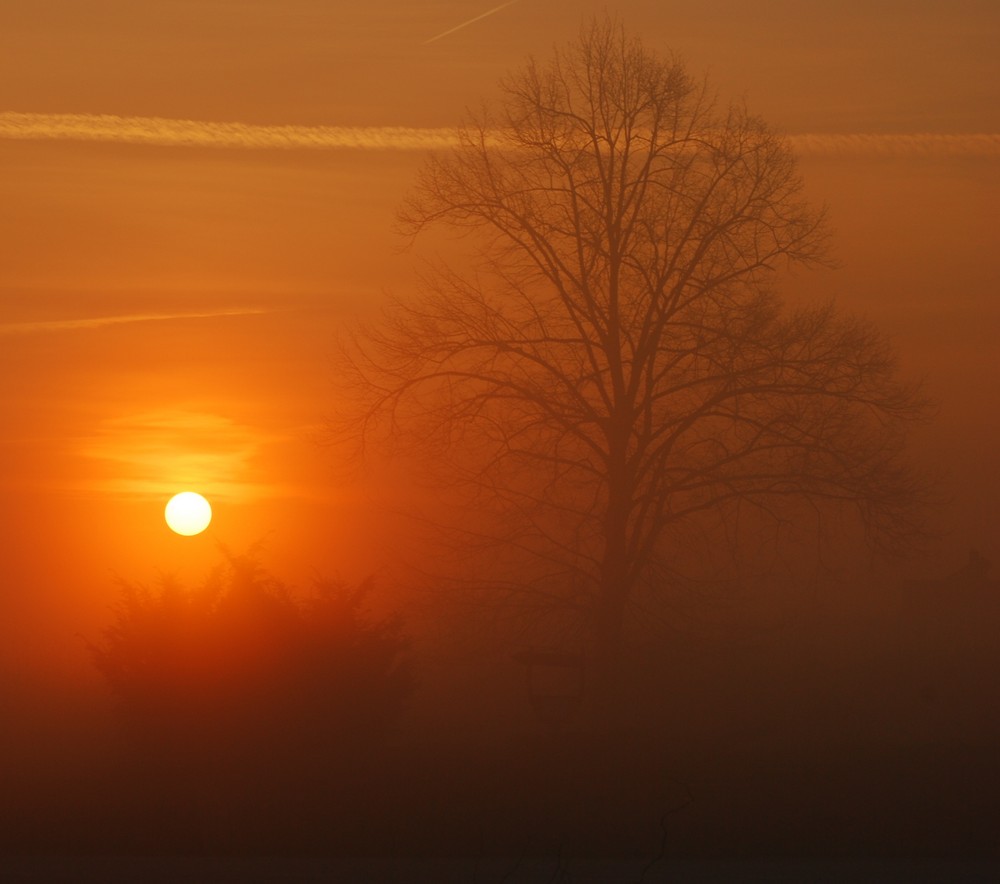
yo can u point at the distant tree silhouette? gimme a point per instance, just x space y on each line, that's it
613 374
239 687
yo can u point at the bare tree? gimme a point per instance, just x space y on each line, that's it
612 368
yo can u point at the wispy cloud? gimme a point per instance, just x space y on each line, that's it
59 325
465 24
154 454
162 132
926 144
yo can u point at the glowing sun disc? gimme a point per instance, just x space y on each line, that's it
188 513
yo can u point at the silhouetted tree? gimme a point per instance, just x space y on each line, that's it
611 370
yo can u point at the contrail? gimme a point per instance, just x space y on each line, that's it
57 325
465 24
163 132
921 144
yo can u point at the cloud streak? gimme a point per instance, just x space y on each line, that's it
465 24
163 132
59 325
926 144
154 454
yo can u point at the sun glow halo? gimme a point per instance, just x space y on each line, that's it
188 513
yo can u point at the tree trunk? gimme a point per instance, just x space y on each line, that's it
615 581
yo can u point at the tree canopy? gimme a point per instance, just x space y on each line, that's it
612 371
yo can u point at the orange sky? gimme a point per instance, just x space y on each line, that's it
167 309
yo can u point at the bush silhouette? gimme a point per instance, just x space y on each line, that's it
240 690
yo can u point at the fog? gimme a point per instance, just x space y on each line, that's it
572 520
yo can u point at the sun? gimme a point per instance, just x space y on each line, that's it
188 513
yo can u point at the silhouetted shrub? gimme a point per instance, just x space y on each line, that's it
238 693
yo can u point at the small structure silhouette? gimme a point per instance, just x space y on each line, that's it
556 683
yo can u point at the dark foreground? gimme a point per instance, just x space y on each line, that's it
509 870
812 758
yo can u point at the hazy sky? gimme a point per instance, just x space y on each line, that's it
167 304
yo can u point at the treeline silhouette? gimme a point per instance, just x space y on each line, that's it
256 719
259 720
250 711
